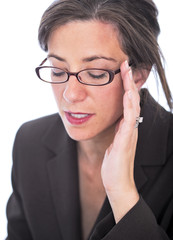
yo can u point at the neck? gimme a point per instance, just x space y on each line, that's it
92 151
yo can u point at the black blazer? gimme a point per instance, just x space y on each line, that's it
45 201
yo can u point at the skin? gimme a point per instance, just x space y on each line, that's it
107 141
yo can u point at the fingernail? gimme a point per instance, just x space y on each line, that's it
130 74
126 64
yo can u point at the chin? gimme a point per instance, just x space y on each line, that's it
79 134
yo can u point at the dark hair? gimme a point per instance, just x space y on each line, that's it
136 21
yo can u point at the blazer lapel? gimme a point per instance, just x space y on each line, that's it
63 176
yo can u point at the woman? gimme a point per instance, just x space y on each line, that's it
90 172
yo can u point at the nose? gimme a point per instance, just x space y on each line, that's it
74 91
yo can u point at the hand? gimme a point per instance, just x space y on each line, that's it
118 164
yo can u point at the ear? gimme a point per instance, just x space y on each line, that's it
140 76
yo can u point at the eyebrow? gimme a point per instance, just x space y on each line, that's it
92 58
57 57
88 59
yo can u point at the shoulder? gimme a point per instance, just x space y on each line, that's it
38 139
34 134
41 123
170 137
39 126
155 140
155 116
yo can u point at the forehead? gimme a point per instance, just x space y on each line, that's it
85 38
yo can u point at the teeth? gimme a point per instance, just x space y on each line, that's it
79 115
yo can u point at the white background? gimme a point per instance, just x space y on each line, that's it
22 96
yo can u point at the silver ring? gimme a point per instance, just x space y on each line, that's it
138 120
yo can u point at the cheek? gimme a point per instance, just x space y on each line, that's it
58 93
114 104
113 95
110 103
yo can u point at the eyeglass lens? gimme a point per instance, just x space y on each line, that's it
88 76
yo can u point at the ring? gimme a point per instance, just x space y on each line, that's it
138 120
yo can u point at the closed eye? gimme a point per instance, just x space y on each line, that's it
97 75
58 73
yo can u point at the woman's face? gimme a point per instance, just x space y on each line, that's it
87 112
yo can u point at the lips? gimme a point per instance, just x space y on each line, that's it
77 118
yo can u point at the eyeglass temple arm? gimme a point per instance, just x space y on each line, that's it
43 62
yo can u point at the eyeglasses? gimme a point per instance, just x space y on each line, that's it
90 76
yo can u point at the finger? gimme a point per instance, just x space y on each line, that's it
127 77
130 110
130 89
126 134
128 82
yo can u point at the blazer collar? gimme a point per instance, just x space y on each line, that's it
63 166
63 177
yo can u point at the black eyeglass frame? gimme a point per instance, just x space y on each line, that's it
111 74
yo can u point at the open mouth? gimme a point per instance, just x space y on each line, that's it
77 118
